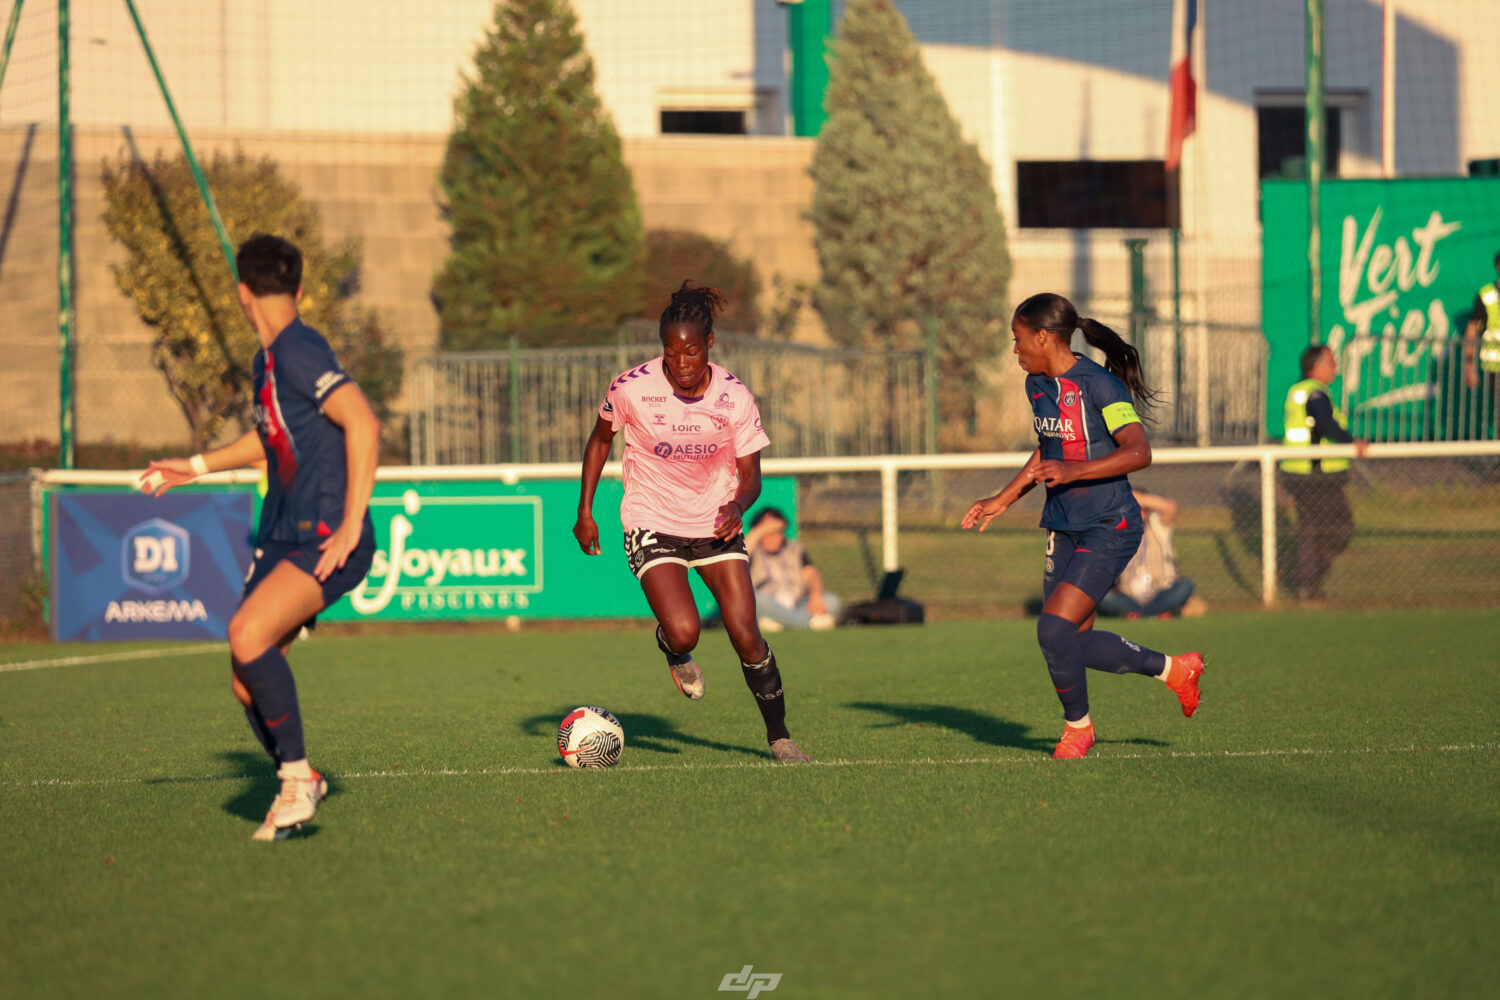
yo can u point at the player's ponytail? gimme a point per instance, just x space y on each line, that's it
694 305
1121 360
1049 311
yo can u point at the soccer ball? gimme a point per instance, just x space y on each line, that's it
590 737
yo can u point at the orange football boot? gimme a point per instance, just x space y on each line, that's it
1075 742
1183 680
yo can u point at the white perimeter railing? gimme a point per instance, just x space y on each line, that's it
1266 456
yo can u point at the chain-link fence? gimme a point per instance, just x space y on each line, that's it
1427 533
18 581
539 405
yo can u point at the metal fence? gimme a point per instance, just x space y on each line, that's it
1212 377
1427 529
17 577
539 405
1417 388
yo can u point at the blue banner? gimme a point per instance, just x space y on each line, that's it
137 567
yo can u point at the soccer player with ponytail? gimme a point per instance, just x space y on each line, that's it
692 469
1090 438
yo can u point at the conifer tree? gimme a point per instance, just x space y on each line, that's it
904 209
174 271
547 242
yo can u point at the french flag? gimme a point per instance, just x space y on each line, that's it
1184 91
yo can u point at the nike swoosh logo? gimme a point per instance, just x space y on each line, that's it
276 722
1039 395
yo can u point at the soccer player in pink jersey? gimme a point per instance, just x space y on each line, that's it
692 468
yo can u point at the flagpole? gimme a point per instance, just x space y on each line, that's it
1388 89
1200 242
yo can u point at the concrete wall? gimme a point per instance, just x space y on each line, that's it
751 192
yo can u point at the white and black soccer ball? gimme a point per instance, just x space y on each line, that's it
590 737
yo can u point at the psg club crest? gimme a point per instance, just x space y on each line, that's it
154 556
1070 398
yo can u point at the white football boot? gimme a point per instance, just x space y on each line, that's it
294 805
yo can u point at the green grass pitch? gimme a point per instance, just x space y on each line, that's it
1325 826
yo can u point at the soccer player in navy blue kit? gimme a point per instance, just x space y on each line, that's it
320 440
1090 439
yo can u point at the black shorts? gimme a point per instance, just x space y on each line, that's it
305 557
1089 560
647 548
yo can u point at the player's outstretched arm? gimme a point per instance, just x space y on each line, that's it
595 454
347 407
982 512
166 473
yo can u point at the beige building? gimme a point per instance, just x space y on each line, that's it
354 99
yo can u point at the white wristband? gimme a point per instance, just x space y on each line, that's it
199 465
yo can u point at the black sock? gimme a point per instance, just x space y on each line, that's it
1114 654
764 681
262 732
274 692
673 658
1058 638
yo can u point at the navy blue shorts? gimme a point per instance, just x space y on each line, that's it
1089 560
305 557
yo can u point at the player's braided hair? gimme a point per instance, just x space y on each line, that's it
1049 311
694 305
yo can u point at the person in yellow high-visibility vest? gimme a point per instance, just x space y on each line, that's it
1482 338
1325 523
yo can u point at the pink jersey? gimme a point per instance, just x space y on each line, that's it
680 452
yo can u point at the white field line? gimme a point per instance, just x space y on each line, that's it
1029 759
138 654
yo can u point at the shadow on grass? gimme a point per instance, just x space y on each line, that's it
984 728
642 732
261 786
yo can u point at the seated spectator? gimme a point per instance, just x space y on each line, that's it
1149 585
788 587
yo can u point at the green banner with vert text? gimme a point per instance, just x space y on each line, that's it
1402 264
470 551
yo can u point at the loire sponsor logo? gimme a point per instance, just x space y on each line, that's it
154 556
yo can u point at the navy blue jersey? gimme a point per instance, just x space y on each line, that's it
307 476
1075 415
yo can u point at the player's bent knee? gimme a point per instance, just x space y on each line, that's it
682 636
1052 631
246 640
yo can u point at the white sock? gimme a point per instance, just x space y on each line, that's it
1082 723
298 769
1165 671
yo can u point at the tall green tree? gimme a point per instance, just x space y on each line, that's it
174 270
906 223
673 255
547 243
